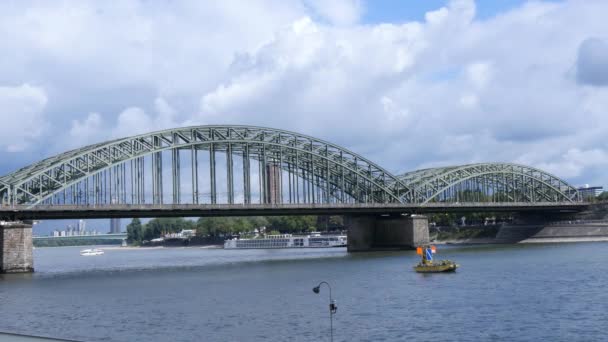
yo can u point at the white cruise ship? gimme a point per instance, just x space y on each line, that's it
288 241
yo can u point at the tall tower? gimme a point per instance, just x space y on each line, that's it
114 222
273 185
114 226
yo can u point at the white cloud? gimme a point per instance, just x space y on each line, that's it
135 120
86 131
469 101
479 73
175 48
575 161
436 17
311 73
592 62
373 82
22 114
130 121
449 89
339 12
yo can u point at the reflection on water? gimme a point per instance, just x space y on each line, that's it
503 293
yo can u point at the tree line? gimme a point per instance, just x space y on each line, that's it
215 227
601 197
454 219
137 232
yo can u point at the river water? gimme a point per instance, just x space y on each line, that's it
550 292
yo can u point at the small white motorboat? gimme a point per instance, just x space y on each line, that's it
91 251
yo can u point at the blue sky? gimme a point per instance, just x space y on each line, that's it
396 11
409 84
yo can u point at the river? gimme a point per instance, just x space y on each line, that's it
550 292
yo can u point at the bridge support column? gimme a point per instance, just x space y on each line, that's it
16 245
370 233
360 232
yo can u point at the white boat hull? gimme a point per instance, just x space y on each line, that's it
287 241
91 252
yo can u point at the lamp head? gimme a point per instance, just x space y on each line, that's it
315 289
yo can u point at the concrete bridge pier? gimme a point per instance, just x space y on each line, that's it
16 245
373 233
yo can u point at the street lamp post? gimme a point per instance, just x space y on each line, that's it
332 308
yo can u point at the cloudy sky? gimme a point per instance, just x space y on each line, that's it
407 83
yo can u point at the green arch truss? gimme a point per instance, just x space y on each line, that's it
246 164
486 182
289 167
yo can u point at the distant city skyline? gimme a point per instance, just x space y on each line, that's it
115 226
102 226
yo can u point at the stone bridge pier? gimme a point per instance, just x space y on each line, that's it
16 245
373 233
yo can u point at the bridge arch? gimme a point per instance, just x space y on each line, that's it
247 164
288 167
486 182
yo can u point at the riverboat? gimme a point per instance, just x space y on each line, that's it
427 265
91 252
287 241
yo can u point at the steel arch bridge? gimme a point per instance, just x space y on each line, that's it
232 164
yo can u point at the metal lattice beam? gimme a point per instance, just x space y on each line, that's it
276 166
321 163
503 180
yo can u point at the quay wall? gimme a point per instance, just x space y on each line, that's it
589 225
521 233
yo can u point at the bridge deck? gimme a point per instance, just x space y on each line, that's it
12 213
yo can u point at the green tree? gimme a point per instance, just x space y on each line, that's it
603 196
221 226
218 226
258 221
336 222
445 219
292 224
135 231
160 226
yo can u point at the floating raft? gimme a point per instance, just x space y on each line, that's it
444 266
428 266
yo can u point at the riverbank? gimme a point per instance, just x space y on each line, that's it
566 240
464 241
463 235
127 248
136 248
510 234
531 241
67 242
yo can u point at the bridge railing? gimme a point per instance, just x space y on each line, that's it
65 207
43 212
